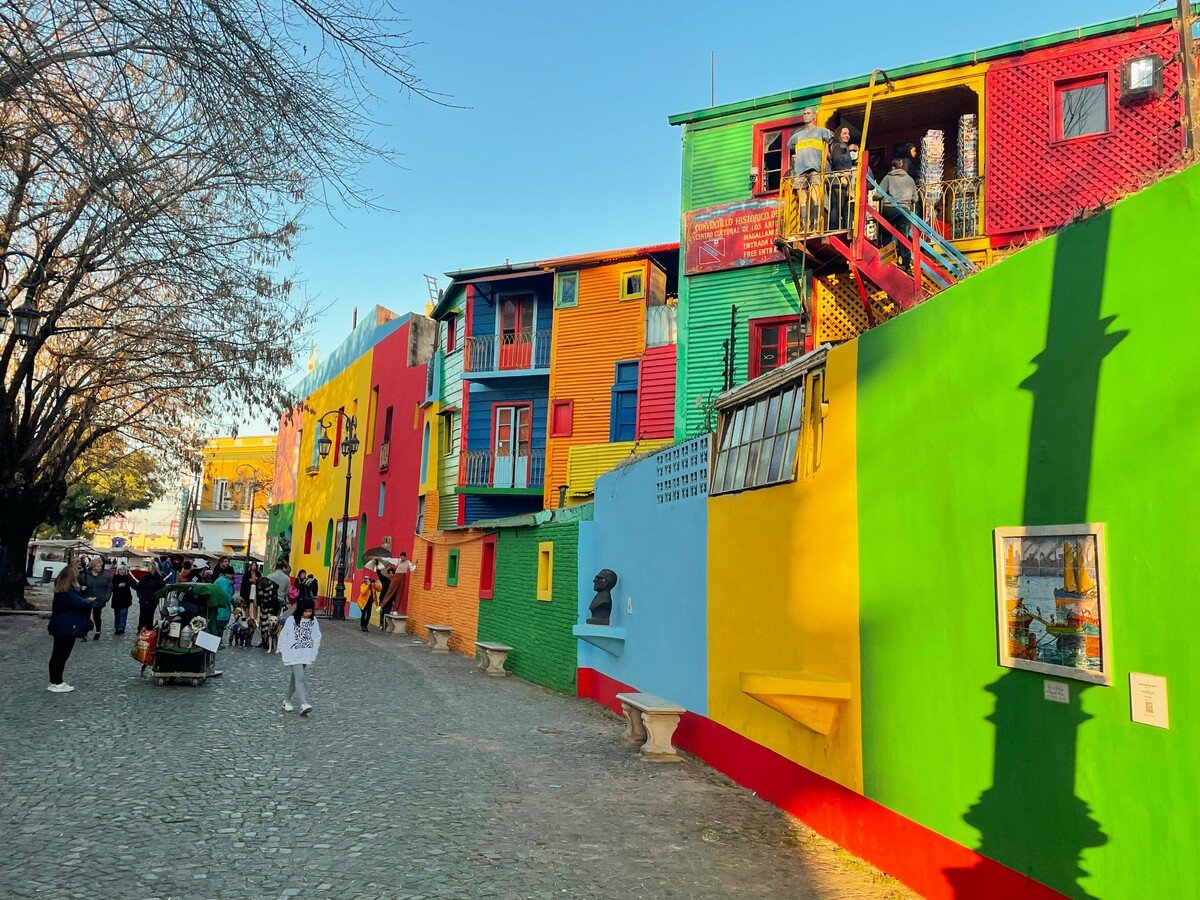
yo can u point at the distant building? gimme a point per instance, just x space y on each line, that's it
222 517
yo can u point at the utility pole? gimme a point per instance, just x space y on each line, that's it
1191 101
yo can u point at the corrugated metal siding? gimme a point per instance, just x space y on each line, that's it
589 340
452 395
587 463
479 420
498 507
704 315
717 164
656 393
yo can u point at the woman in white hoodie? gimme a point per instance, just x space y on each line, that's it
299 642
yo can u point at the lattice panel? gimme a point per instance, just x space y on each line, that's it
1035 181
838 313
682 471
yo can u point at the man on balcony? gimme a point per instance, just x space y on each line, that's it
808 149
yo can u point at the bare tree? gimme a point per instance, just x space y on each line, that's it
155 162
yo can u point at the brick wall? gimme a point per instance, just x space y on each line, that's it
539 631
456 606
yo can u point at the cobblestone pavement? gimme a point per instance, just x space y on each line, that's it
416 777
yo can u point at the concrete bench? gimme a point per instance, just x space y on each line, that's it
492 658
650 723
439 637
395 623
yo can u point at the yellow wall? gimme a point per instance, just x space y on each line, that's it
783 592
586 463
223 456
320 495
588 341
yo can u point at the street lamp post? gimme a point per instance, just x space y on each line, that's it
349 447
26 316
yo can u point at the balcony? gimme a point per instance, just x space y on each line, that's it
384 453
660 326
523 352
503 471
815 205
953 208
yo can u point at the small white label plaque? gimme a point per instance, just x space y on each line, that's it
1056 691
1148 699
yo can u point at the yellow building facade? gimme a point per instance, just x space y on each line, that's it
222 515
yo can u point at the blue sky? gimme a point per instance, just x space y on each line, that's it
564 144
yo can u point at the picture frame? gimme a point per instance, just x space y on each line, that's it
1052 601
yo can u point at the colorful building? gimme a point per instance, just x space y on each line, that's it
612 363
1012 141
222 512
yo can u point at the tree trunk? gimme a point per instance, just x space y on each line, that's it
14 537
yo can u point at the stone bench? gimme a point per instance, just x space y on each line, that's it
395 623
492 658
650 723
439 637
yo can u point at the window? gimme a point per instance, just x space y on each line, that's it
633 284
451 334
446 433
623 414
452 569
425 454
420 514
757 441
329 542
773 343
361 541
487 569
429 548
562 418
382 497
566 290
387 425
545 570
372 413
308 538
220 495
770 154
1081 107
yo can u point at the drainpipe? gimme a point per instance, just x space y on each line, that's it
562 495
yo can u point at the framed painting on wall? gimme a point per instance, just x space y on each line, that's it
1052 601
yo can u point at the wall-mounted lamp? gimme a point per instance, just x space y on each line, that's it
1142 78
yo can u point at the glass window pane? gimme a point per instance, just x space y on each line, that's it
764 461
797 409
752 453
739 467
792 343
760 419
739 418
1085 110
789 455
774 473
727 434
785 411
772 424
719 472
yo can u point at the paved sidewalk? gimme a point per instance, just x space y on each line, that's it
416 777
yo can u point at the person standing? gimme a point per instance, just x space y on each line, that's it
298 645
96 584
900 199
388 597
808 148
70 619
271 593
843 156
148 587
247 590
404 569
122 597
368 594
225 611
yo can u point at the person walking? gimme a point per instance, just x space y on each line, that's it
70 619
900 199
97 585
298 645
148 587
122 597
270 594
368 594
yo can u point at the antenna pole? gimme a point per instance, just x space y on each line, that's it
712 75
1191 103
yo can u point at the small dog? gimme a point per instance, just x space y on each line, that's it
270 633
241 630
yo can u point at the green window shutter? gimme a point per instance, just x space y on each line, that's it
452 569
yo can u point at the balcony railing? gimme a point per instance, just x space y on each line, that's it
816 204
660 326
503 469
384 453
953 207
509 352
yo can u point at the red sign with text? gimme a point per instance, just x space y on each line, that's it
730 236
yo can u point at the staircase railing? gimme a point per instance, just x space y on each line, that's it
947 256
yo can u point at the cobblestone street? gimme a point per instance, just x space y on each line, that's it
415 777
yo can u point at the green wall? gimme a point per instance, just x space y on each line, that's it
716 166
539 631
1057 387
279 518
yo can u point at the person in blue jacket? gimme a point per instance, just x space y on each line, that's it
70 619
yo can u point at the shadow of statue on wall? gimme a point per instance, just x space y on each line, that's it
1030 818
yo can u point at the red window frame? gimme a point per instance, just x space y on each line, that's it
566 427
429 558
1064 85
785 127
451 334
487 569
753 365
515 404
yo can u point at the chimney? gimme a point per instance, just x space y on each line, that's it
354 319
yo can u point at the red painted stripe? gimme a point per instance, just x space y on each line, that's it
934 866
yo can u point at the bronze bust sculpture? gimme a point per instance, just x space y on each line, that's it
601 605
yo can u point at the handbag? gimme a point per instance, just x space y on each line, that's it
144 646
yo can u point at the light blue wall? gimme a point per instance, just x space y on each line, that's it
658 551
